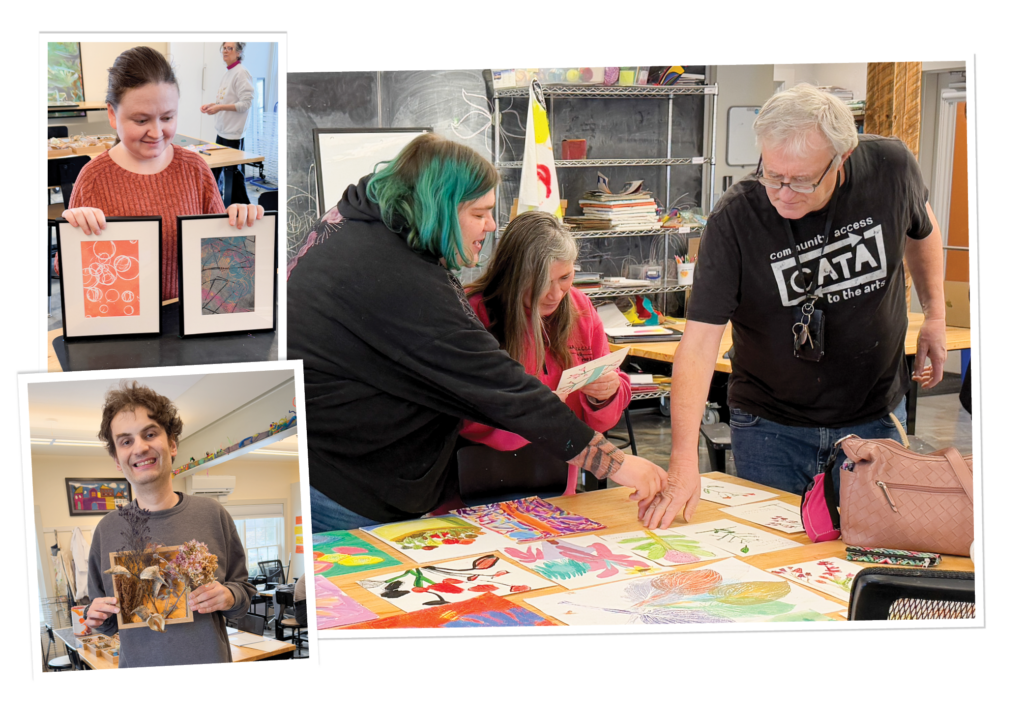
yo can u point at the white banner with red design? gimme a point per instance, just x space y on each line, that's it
538 187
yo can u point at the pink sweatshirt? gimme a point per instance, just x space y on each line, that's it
587 343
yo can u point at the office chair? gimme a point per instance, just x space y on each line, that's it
56 130
268 200
911 594
274 572
59 663
254 624
69 168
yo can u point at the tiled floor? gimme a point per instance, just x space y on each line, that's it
941 422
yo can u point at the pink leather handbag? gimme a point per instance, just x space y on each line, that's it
891 497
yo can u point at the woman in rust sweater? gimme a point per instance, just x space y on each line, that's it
145 174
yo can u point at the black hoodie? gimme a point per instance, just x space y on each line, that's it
394 359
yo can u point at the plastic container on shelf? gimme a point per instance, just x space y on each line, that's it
627 76
526 76
591 75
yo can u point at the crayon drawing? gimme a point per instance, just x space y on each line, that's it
832 576
735 537
437 538
729 494
580 562
482 611
528 519
451 582
335 609
728 591
771 514
341 552
228 274
110 278
666 547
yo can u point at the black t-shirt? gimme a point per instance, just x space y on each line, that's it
745 272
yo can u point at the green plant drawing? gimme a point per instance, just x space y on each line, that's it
64 72
676 549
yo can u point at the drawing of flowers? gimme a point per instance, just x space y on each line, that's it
347 555
676 549
833 573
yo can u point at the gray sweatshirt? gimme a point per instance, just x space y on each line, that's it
205 639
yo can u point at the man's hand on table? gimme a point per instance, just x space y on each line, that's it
682 490
931 344
211 598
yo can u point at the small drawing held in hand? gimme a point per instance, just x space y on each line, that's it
577 377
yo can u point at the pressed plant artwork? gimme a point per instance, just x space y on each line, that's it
452 582
151 587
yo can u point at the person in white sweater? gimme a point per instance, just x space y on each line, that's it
234 97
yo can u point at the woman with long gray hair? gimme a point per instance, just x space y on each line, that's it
525 298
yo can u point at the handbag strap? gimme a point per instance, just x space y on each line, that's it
899 428
828 485
962 472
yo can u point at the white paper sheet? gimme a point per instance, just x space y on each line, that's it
772 514
833 576
730 494
737 538
577 377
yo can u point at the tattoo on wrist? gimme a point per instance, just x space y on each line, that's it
600 457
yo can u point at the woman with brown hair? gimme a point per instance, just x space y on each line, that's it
145 174
525 298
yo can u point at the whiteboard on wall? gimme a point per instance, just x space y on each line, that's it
740 145
344 156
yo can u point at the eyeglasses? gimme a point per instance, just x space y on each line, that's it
799 187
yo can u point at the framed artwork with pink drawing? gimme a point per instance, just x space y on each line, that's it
110 284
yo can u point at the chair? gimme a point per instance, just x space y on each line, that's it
69 168
56 130
254 624
274 572
628 440
718 439
59 663
911 594
297 623
487 475
268 200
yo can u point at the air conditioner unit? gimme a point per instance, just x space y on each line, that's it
218 487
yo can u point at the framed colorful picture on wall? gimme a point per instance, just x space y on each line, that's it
227 276
96 496
110 283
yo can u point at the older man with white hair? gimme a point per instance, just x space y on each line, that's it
805 258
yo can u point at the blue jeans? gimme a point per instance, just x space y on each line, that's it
788 457
329 515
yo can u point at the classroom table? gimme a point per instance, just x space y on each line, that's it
612 508
77 107
956 340
168 349
99 662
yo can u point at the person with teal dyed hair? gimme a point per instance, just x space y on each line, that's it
394 356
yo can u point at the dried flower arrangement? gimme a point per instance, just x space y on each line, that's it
195 562
150 589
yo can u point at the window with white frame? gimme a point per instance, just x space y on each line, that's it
261 530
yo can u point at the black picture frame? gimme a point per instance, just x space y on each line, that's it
71 486
64 244
185 298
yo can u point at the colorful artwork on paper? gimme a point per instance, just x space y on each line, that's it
451 582
667 547
336 609
341 552
438 538
833 576
483 611
730 494
580 562
728 591
529 519
771 514
737 538
96 497
228 281
110 278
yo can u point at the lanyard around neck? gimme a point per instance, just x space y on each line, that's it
812 288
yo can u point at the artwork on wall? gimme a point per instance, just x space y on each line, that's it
110 286
667 547
227 276
64 82
483 611
737 538
771 514
728 591
438 538
528 519
335 609
341 552
731 494
96 496
452 582
580 562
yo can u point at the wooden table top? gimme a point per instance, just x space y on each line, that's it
226 157
956 339
238 654
612 508
79 107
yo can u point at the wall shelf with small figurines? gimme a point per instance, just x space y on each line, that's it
278 430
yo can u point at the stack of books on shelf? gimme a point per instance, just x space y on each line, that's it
632 209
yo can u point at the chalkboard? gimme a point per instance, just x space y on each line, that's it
452 103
